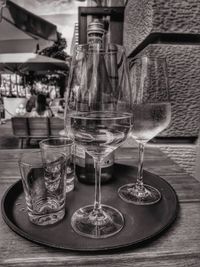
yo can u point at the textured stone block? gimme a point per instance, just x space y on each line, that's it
146 18
183 63
183 154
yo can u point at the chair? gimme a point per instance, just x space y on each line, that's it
56 125
38 127
20 129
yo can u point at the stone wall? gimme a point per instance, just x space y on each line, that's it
150 18
171 29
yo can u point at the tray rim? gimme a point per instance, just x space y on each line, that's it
139 242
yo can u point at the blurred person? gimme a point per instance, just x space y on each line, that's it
2 121
31 103
42 109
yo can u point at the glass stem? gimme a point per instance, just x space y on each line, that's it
139 183
97 202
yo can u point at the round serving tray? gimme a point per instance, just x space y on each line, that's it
142 223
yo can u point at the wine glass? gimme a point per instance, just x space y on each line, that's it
151 111
98 118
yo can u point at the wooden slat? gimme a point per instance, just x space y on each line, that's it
38 127
20 126
56 125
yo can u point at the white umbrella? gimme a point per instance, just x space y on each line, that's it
24 62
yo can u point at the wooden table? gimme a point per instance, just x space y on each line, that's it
178 246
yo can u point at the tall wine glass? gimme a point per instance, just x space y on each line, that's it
151 111
99 119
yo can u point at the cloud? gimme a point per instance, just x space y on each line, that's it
49 7
63 13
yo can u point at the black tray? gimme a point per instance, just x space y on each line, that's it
142 223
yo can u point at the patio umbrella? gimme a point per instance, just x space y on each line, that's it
25 62
23 31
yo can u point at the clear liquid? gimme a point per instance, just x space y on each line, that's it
149 120
99 133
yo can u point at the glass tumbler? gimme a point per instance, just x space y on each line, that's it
44 187
63 145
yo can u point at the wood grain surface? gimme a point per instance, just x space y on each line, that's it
178 246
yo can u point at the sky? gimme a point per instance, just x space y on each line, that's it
62 13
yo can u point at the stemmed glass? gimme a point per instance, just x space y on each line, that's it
98 117
151 111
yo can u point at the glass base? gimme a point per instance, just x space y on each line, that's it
88 223
130 194
47 219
